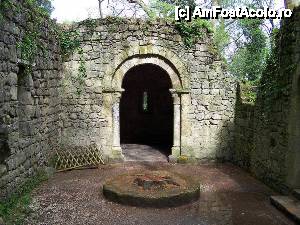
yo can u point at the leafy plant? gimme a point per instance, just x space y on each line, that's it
162 9
249 61
69 42
28 46
249 91
91 25
221 38
81 75
5 6
192 32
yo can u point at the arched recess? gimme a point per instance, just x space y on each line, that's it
118 76
137 55
146 109
160 57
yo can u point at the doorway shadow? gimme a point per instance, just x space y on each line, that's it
146 114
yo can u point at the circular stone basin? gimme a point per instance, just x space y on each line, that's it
152 189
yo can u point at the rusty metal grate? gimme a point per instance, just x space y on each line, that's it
69 158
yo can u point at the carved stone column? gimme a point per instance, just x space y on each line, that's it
185 123
177 123
116 146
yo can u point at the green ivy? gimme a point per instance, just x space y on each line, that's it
28 46
193 31
79 80
69 42
248 91
5 6
280 66
36 9
91 25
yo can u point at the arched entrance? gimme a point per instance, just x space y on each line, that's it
113 90
146 112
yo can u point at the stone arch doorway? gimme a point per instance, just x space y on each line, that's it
146 112
180 94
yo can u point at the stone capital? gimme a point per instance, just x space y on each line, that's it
116 95
176 96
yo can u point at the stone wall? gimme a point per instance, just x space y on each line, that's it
29 101
47 104
274 108
244 132
111 47
267 135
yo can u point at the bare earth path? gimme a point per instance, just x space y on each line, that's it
229 196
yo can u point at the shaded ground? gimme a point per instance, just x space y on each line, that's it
229 196
138 152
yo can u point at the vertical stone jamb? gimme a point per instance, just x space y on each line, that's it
116 145
177 123
186 126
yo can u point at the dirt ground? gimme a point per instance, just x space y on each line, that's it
228 196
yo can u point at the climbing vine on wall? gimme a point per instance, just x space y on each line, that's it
90 25
79 80
29 47
192 32
30 43
7 6
69 44
275 82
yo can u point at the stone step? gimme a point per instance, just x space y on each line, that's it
288 205
296 194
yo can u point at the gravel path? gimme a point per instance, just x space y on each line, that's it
229 196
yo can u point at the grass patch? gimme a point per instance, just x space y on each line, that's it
15 209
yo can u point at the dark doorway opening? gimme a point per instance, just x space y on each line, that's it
146 108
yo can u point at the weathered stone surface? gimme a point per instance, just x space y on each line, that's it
152 189
3 170
267 132
29 103
207 92
288 205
